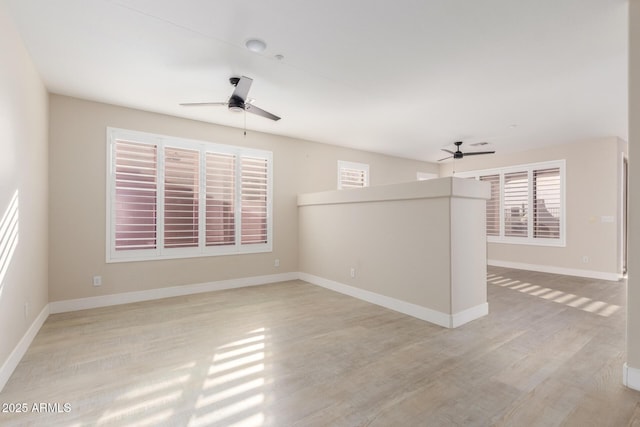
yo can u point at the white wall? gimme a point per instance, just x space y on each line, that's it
633 287
593 186
23 172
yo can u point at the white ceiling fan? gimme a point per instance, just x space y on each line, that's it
238 99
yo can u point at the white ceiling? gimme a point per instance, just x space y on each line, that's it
402 77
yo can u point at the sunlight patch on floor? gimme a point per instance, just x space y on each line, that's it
143 405
233 392
150 397
600 308
156 387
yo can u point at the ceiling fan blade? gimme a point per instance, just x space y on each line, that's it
475 153
448 151
200 104
250 108
445 158
242 88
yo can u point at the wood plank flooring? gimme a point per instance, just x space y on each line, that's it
549 353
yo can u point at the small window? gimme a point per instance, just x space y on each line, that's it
352 175
424 176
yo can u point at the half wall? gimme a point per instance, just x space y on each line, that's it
418 248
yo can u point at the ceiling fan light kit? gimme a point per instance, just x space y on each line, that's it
236 104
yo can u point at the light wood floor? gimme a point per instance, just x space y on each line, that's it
291 354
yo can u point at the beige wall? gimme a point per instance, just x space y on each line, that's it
77 203
468 253
411 242
375 238
592 191
23 168
633 289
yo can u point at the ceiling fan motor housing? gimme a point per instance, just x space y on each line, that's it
236 103
458 154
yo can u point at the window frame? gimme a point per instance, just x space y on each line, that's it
201 250
529 168
363 167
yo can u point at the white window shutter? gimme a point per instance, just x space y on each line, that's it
254 200
546 203
181 192
352 178
352 175
516 204
493 205
136 192
527 204
176 198
220 211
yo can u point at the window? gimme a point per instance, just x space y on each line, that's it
175 198
181 189
424 176
516 203
352 175
546 203
493 205
254 200
527 203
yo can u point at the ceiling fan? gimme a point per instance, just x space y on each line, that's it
459 154
237 101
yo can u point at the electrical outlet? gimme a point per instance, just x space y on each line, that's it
26 310
97 280
585 259
276 263
353 272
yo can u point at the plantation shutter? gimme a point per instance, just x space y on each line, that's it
516 204
546 203
135 196
493 205
181 182
173 198
220 185
352 178
253 198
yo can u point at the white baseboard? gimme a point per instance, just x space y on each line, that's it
466 316
18 352
107 300
631 377
173 291
423 313
591 274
